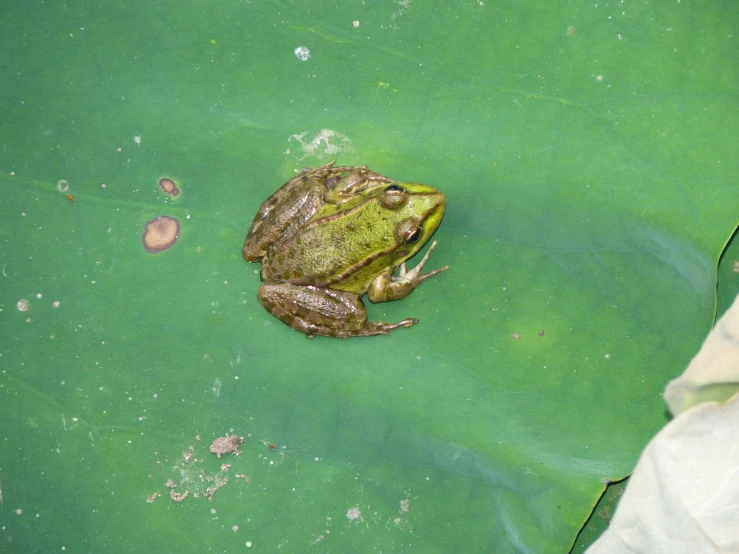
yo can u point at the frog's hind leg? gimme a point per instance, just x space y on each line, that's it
322 311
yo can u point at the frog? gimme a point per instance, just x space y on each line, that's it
333 234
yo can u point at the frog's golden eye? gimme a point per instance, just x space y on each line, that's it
408 232
393 197
413 235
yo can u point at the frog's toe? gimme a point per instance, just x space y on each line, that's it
384 328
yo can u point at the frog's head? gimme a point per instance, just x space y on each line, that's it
346 246
416 210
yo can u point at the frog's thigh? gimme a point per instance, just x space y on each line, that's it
313 310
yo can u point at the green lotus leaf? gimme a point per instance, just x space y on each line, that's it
587 153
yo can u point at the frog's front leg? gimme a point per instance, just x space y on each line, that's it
386 287
322 311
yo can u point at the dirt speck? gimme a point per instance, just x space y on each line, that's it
224 445
177 497
210 491
169 186
353 513
161 233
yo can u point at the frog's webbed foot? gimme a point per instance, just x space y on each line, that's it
414 276
388 287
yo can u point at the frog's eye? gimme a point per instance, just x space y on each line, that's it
407 233
413 235
393 197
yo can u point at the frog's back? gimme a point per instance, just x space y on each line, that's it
344 252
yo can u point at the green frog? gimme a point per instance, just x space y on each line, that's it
331 235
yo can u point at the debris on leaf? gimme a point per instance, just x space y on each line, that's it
212 490
177 497
224 445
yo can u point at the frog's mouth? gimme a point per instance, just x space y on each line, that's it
433 215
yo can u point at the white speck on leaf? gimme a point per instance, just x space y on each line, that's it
302 53
325 143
